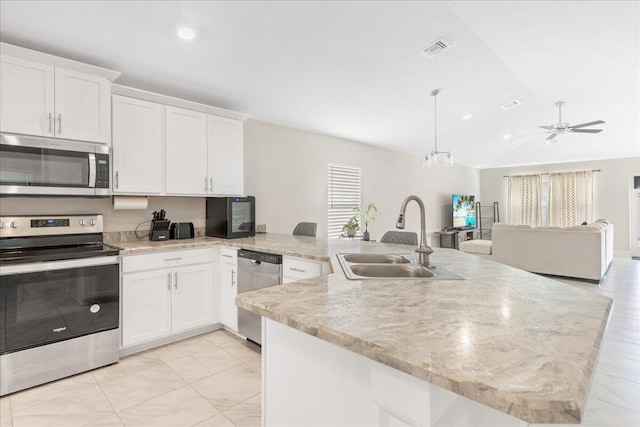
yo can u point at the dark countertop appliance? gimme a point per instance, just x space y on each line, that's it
231 217
182 230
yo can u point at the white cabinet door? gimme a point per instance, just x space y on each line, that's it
226 156
229 288
82 106
146 306
27 93
138 146
186 152
192 297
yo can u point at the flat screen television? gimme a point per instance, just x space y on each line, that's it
464 212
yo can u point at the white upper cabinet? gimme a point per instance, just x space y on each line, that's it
26 101
186 152
82 106
226 156
138 146
45 95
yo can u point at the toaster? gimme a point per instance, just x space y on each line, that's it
181 230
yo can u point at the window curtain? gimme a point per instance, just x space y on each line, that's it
524 200
570 198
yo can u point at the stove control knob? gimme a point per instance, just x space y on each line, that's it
83 222
92 222
2 225
14 224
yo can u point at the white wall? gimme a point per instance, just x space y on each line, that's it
612 188
286 170
185 209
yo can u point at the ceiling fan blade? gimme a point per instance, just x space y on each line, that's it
546 127
586 130
529 134
597 122
553 135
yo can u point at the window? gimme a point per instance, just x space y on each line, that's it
344 197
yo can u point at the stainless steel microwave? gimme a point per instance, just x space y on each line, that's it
31 165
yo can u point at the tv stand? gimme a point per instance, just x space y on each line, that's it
451 239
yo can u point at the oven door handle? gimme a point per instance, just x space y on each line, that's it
92 170
36 267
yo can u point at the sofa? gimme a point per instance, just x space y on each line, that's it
581 251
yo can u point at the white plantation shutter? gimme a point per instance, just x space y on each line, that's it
344 197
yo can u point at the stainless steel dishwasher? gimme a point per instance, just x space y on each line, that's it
256 270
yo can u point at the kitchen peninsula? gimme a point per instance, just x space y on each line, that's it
501 347
391 352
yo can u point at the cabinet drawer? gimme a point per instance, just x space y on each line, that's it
229 255
296 268
131 263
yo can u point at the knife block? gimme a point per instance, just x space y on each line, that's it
160 230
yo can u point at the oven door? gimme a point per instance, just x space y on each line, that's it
43 303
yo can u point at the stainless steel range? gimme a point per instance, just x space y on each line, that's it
59 299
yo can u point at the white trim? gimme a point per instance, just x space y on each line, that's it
175 102
56 61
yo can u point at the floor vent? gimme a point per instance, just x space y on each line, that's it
435 49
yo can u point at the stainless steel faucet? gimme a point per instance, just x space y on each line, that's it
423 250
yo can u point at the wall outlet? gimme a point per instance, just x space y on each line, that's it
261 228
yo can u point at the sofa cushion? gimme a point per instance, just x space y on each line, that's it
510 226
582 228
476 247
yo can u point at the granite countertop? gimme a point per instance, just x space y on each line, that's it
523 344
284 244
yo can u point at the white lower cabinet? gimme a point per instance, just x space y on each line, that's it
295 269
146 306
166 293
229 287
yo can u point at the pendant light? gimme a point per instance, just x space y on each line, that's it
431 159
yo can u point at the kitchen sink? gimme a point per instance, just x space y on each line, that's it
376 259
391 270
363 266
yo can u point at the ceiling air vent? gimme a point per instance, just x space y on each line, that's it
435 49
511 104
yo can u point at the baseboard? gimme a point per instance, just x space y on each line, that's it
622 254
137 348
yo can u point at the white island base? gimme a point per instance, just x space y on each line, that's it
309 382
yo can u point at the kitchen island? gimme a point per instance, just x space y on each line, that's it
501 347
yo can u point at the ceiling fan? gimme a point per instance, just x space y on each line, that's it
563 127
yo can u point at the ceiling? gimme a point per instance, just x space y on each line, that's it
354 70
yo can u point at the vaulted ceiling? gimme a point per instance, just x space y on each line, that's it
354 69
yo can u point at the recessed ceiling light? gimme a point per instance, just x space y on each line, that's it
186 33
467 116
507 136
511 104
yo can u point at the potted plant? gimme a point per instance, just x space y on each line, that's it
368 214
351 226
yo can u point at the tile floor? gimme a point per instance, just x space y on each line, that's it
210 380
214 379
